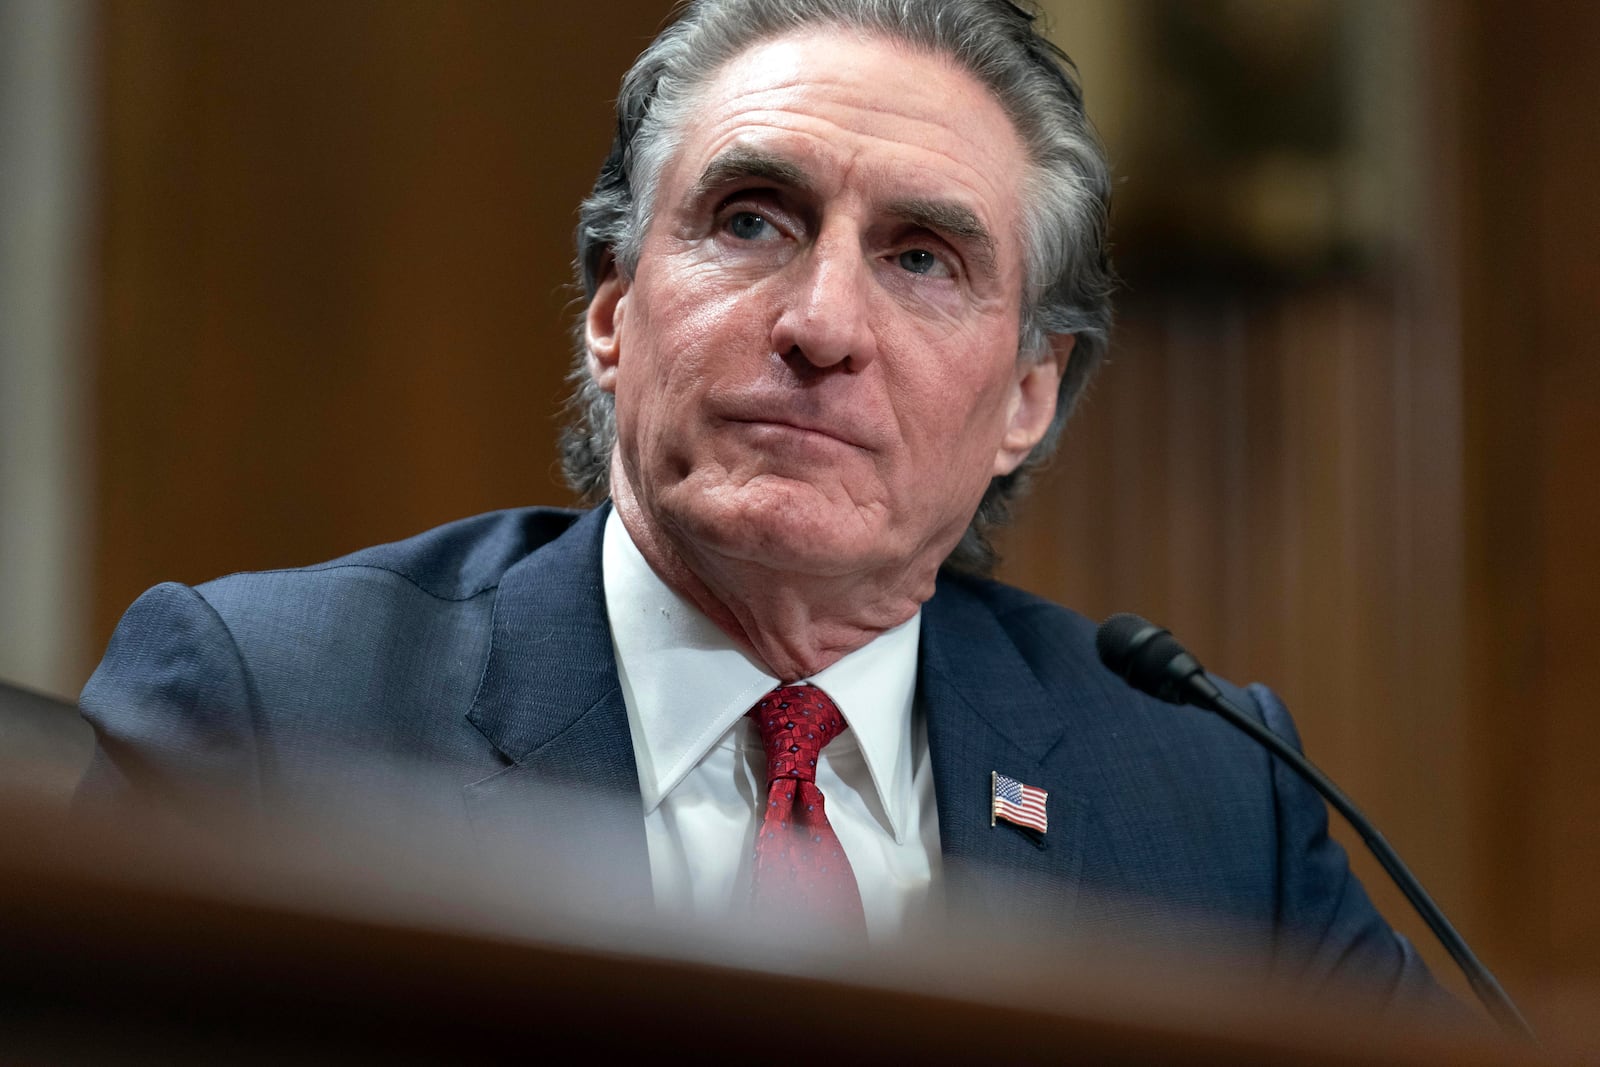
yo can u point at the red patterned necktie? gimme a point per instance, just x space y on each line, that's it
800 867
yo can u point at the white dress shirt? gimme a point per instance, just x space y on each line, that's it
702 770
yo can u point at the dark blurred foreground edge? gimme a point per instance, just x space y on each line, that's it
151 958
44 745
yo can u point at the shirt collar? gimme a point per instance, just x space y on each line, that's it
685 683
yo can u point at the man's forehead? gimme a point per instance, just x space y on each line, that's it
802 110
897 82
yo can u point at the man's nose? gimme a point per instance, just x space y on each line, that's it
827 321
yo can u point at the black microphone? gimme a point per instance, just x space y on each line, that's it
1151 660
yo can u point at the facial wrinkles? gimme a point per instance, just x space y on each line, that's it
850 213
758 81
699 340
757 92
853 131
841 160
698 367
856 155
699 332
723 473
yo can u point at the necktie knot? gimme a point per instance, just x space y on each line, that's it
795 722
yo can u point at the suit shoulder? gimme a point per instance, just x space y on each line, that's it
456 561
1057 641
1034 623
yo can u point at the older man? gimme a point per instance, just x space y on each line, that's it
845 273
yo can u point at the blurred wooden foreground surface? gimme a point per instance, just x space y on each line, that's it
117 950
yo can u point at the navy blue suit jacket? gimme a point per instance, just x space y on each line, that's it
483 647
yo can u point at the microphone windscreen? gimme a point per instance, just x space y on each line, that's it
1147 657
1119 639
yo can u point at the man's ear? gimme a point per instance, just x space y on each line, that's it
1033 404
602 324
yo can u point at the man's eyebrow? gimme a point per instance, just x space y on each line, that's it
951 220
739 164
943 217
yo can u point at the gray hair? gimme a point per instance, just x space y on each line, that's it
1066 195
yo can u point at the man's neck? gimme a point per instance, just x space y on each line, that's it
795 624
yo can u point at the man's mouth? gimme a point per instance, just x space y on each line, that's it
781 419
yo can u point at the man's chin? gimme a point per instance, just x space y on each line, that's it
783 535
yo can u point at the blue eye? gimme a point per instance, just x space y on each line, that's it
919 261
748 226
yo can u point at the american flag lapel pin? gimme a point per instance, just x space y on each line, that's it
1016 803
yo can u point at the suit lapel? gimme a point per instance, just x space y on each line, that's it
986 711
549 701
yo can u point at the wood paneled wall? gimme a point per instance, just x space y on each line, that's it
334 245
335 263
1531 279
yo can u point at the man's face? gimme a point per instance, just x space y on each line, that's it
815 361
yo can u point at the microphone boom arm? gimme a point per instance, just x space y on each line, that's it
1150 659
1482 981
